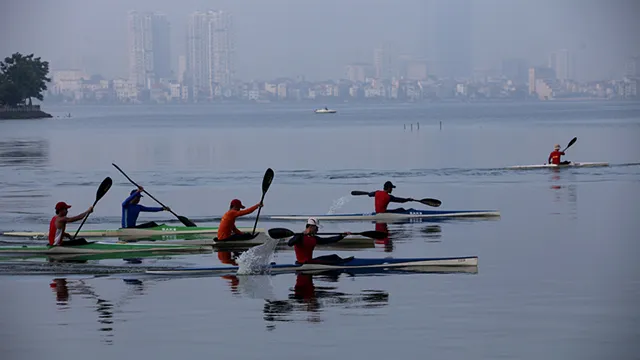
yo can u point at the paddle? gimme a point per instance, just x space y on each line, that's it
182 219
573 141
266 182
281 233
102 190
426 201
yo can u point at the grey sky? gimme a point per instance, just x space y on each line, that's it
317 38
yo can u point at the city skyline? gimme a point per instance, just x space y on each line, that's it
317 40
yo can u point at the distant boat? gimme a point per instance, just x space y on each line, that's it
325 111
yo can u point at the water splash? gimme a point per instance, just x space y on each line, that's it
338 204
257 260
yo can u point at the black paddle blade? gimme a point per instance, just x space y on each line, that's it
378 235
103 188
280 233
356 193
186 222
266 181
431 202
573 141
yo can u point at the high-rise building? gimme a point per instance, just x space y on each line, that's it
210 52
563 63
149 51
448 38
384 63
632 68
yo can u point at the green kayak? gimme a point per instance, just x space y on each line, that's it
101 248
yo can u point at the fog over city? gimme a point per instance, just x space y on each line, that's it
317 39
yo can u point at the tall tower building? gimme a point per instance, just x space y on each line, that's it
210 52
448 38
563 63
384 62
149 51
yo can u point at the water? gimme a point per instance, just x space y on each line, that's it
557 277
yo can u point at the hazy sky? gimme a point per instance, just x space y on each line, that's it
318 37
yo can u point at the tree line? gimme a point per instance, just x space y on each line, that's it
22 78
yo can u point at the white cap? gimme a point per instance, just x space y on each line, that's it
313 221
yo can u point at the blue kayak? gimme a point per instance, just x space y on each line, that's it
390 216
349 263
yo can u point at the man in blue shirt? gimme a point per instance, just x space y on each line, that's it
131 209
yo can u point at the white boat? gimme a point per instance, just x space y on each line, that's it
560 166
325 111
390 216
349 263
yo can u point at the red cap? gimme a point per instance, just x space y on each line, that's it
62 205
237 203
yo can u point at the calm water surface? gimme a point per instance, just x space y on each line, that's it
557 275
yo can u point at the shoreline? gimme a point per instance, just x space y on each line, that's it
24 115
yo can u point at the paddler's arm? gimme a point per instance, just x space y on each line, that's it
248 210
331 240
399 199
150 208
78 217
295 239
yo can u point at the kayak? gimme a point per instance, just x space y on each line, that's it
100 248
259 239
352 263
162 229
82 258
408 214
560 166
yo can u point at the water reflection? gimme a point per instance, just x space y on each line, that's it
307 301
64 288
24 152
400 233
564 193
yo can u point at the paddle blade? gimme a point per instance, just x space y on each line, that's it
378 235
431 202
356 193
186 222
573 141
280 233
266 181
103 188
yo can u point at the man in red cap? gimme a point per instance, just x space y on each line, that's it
227 230
58 225
384 197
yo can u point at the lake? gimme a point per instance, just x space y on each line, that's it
556 279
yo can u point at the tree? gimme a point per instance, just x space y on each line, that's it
21 78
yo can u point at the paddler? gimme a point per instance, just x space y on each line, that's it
384 197
58 225
554 157
304 243
131 209
227 230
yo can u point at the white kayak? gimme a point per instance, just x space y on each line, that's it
258 239
554 166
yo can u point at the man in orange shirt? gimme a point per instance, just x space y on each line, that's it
227 230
